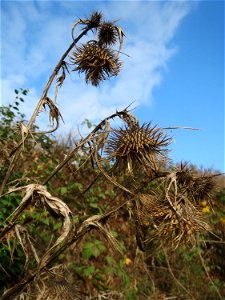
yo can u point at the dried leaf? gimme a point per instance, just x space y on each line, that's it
20 230
54 114
11 249
24 132
60 79
121 35
19 233
54 204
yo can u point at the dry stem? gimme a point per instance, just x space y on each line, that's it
38 108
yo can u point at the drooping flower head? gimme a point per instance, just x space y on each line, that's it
97 58
97 62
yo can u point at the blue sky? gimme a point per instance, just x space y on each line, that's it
174 75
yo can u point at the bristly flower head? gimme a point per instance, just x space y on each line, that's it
137 146
107 34
169 225
97 58
199 187
184 174
95 19
97 62
202 187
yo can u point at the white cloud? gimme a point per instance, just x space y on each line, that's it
37 34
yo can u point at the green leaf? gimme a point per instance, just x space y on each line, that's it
24 92
89 271
86 121
75 186
93 249
99 277
96 252
57 225
16 91
63 190
88 250
45 221
109 260
94 205
100 246
131 294
89 124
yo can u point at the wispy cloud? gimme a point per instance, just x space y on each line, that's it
36 34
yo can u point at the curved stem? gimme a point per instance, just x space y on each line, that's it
38 108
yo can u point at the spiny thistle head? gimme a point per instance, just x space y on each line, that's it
184 174
135 145
97 62
171 225
202 187
107 34
95 19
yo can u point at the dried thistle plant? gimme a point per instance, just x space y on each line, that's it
137 146
170 217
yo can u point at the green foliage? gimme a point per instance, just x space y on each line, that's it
8 204
86 271
93 249
11 113
93 198
88 123
11 269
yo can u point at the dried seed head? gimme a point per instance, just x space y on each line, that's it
107 34
202 187
198 187
184 175
98 63
137 145
170 225
95 19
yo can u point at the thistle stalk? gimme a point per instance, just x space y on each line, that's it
38 108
